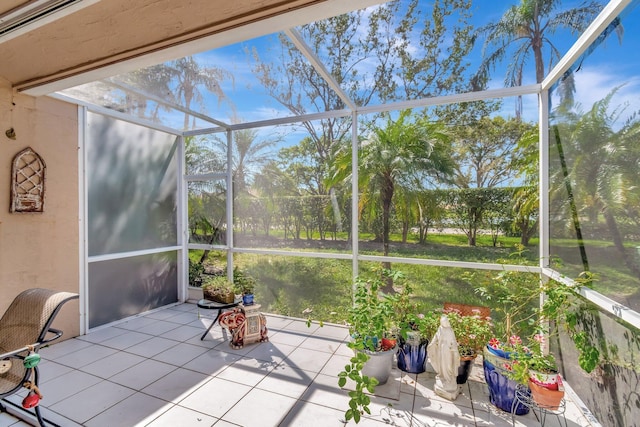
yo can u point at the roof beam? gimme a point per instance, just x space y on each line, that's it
317 64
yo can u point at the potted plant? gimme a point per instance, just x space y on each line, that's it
371 318
218 289
244 285
415 330
472 332
504 373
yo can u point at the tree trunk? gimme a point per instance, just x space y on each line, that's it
617 241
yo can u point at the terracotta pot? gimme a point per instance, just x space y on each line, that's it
388 343
544 397
544 379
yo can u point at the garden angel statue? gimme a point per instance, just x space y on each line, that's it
445 359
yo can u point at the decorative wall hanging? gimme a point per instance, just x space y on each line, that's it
27 182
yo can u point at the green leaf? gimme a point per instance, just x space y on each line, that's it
342 381
348 415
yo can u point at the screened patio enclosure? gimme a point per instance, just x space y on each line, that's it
262 155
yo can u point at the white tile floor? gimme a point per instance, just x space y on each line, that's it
155 371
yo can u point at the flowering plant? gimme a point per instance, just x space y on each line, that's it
523 358
425 324
472 332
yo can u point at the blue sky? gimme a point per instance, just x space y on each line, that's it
610 65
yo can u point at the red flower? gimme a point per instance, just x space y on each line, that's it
494 343
515 340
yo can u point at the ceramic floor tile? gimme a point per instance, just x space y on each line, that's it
112 365
223 423
277 322
162 314
425 390
311 415
126 340
326 344
288 337
270 351
180 354
498 418
66 385
247 371
92 401
102 335
215 397
301 326
212 362
63 348
183 333
137 410
183 417
324 391
335 365
136 323
339 333
288 381
176 385
143 374
309 360
260 408
433 411
183 318
205 379
409 382
158 327
212 340
50 370
151 347
55 419
85 356
186 307
344 350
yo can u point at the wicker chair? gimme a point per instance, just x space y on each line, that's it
24 328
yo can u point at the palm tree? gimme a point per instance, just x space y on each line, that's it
524 30
191 76
602 160
405 152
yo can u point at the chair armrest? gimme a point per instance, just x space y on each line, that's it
57 333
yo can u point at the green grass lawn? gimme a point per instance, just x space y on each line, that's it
321 288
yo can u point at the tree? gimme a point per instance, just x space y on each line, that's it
249 153
485 152
526 202
403 152
190 76
367 53
605 165
525 30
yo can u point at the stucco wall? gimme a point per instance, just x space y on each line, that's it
41 249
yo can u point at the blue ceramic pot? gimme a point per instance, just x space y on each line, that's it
502 390
412 358
498 352
247 299
464 370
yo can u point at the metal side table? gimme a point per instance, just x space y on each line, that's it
523 396
205 304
